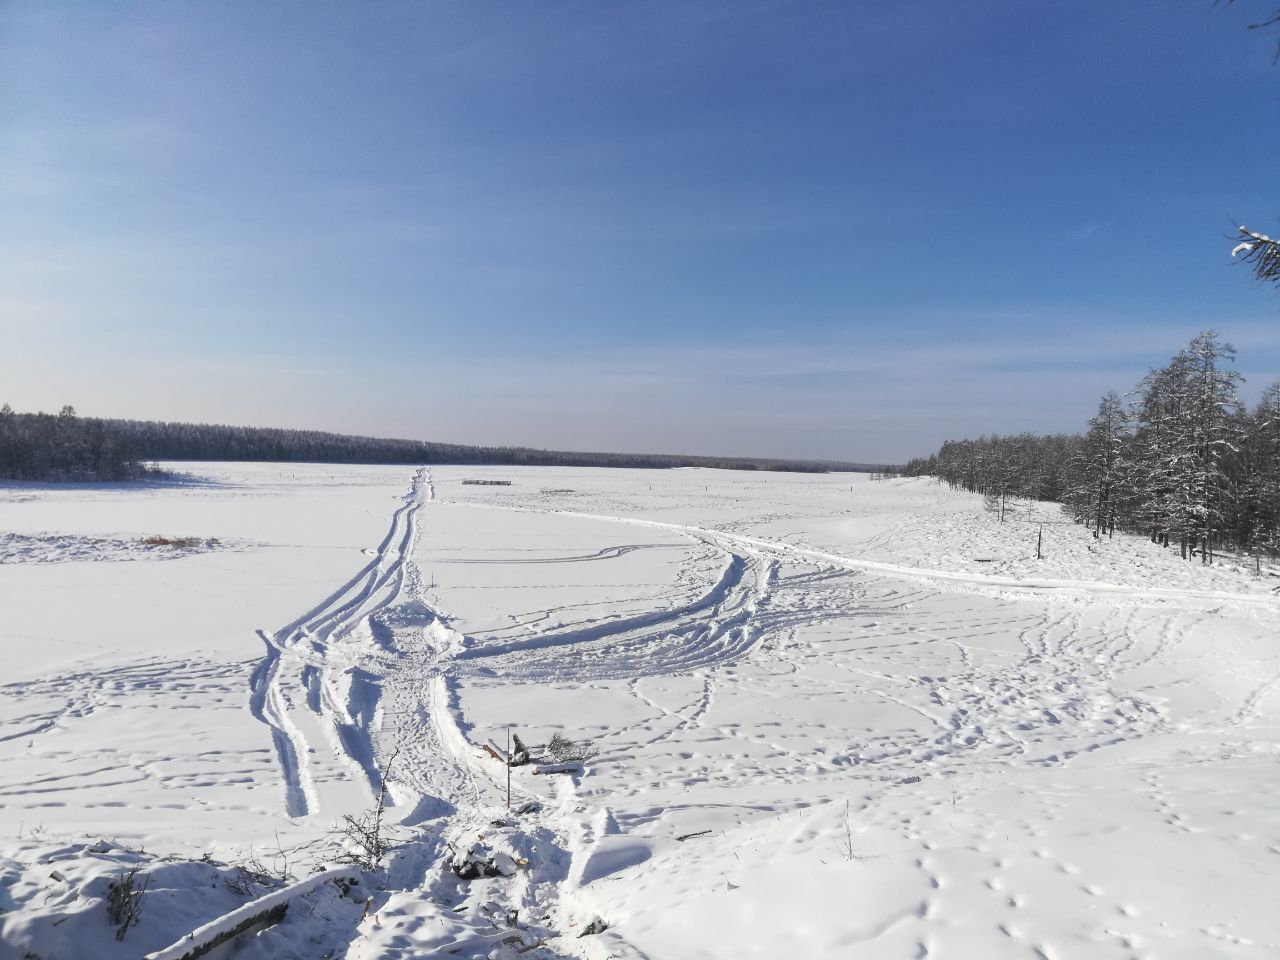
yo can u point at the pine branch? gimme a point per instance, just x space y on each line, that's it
1261 253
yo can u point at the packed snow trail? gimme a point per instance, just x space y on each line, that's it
313 685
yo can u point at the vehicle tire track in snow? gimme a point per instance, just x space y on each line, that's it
299 685
712 630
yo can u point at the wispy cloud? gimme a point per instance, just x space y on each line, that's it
1083 233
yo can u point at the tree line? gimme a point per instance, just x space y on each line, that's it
41 446
63 446
159 440
1179 459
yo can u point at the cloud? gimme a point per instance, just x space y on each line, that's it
1080 234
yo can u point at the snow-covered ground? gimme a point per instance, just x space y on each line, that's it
833 716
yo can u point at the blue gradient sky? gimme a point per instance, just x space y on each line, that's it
845 230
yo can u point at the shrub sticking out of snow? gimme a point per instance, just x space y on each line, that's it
563 750
367 838
124 900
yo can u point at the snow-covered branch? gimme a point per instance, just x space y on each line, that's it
1261 252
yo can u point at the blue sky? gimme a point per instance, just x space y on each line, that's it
846 230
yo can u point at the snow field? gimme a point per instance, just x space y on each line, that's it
125 685
871 743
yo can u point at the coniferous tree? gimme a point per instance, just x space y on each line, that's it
1184 463
1212 429
1099 467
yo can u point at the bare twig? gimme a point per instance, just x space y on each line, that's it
124 901
367 837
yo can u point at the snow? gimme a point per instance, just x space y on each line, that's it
208 934
53 548
833 716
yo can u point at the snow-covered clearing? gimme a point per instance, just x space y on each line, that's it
835 717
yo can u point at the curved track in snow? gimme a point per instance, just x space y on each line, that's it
1003 586
712 630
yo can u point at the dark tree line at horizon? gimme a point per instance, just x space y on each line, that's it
160 440
63 447
1180 460
41 446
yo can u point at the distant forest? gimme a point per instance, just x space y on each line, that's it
1179 459
44 446
41 446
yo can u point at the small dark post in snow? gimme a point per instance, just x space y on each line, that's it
1039 542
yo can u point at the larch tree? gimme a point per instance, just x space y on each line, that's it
1179 460
1214 433
1099 466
